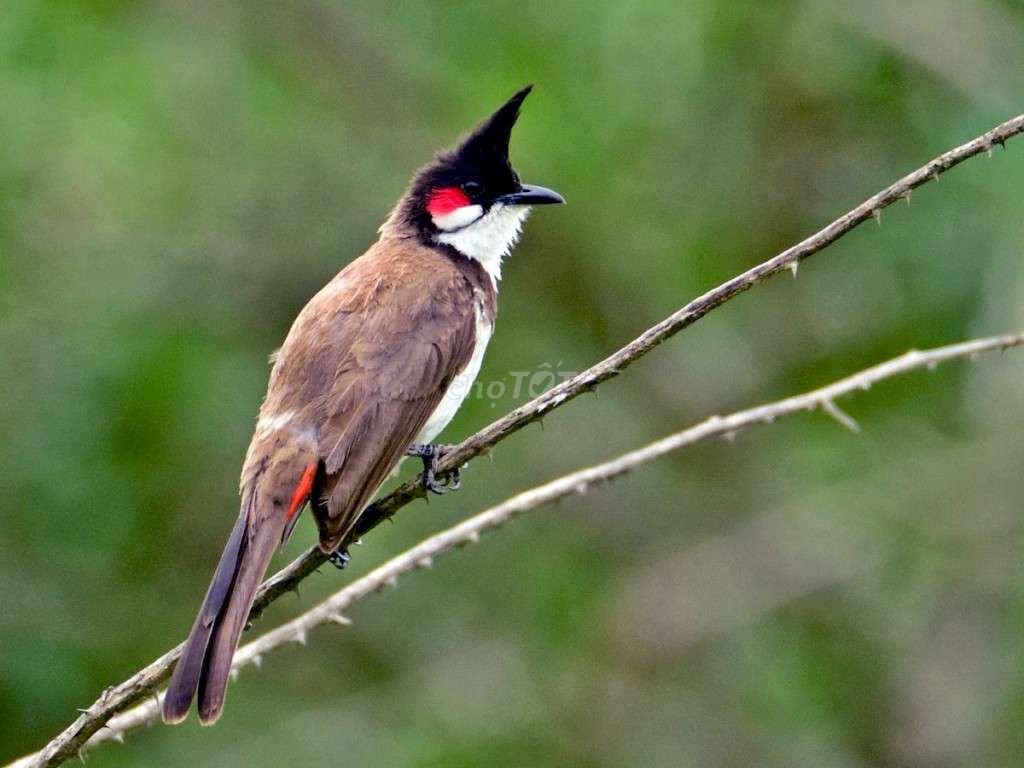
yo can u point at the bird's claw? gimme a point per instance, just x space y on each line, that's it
431 454
339 558
454 479
432 484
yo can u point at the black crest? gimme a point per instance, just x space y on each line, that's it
489 143
478 164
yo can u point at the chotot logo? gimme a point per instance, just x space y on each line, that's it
515 385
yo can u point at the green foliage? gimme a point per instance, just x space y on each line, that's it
176 179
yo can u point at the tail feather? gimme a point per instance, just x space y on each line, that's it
190 665
205 664
216 669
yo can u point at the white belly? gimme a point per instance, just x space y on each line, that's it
460 387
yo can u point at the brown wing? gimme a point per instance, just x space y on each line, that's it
392 379
366 363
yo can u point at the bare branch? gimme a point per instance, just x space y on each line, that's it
332 610
118 698
613 365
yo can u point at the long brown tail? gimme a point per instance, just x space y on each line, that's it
205 663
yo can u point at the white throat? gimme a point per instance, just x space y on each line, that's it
489 238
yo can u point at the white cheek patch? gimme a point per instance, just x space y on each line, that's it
490 239
458 218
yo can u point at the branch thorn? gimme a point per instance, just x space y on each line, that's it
840 415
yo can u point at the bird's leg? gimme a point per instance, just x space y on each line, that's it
431 454
339 558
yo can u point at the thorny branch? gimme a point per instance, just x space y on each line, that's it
332 610
118 698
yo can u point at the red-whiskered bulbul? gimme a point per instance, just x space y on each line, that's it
373 368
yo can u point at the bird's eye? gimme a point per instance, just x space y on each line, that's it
472 188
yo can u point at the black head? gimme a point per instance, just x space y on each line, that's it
462 184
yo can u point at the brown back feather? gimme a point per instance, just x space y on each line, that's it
369 359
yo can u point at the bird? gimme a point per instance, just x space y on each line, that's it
373 368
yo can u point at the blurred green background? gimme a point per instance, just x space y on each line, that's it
177 178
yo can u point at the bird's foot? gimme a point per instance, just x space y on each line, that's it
339 558
433 481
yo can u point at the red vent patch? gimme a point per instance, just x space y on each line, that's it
445 200
302 490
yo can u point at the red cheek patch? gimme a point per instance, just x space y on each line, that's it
445 200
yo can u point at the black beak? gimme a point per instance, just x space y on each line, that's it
531 194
